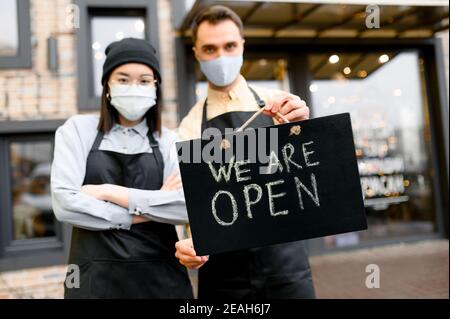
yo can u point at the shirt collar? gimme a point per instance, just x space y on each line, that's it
239 89
141 128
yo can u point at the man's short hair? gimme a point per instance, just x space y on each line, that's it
214 15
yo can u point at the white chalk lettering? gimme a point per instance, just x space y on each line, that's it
306 154
299 185
248 201
272 196
287 157
239 171
233 204
224 170
254 195
274 161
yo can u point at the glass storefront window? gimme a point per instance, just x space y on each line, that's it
265 73
30 184
9 41
107 29
385 96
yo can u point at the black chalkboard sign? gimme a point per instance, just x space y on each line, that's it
272 185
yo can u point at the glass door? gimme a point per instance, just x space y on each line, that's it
385 95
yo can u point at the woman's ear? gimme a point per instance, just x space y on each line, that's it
108 96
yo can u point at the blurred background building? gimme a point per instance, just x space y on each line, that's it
393 79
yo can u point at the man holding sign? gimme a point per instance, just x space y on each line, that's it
277 271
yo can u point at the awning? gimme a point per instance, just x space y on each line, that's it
329 18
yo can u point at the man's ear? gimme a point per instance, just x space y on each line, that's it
195 52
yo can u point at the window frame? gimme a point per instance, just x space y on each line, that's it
23 57
87 101
33 252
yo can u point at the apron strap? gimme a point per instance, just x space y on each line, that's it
157 153
98 141
204 118
258 100
153 144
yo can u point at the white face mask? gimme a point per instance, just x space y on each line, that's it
132 101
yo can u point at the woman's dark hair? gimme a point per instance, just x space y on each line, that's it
109 115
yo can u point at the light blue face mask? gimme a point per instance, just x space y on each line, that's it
223 70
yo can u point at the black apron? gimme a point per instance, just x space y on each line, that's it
135 263
277 271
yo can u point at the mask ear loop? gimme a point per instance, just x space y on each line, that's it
108 96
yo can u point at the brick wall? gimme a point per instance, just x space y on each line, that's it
37 93
168 66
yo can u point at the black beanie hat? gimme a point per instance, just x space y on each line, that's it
130 50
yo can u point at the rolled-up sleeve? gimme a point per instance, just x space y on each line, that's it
70 205
161 205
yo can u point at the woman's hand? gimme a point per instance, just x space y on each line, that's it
187 256
173 182
291 106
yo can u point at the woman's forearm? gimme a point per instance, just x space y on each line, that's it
115 194
165 206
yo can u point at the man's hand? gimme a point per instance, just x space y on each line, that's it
291 106
187 256
173 182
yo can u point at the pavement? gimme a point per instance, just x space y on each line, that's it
417 270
